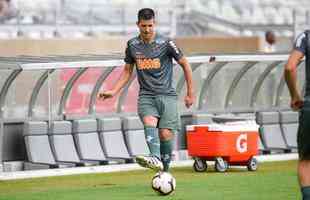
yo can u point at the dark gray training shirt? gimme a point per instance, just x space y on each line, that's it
153 64
302 44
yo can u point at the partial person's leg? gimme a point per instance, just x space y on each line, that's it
149 116
151 135
304 178
303 141
166 146
168 124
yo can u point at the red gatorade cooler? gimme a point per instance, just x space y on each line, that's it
227 144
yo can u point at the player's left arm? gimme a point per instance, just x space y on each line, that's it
177 54
190 95
290 76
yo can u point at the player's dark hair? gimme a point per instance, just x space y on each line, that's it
146 14
269 32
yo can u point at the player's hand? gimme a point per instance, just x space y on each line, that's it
189 100
297 103
105 95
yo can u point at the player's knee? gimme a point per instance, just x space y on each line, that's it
150 121
304 164
165 134
303 168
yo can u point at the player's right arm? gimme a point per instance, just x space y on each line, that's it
121 82
124 78
290 73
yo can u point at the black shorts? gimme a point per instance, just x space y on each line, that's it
303 135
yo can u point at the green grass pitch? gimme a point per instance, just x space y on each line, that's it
272 181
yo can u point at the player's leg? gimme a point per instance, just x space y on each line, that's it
151 135
168 124
166 147
303 140
304 178
149 116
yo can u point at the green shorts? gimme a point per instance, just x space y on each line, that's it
303 135
165 108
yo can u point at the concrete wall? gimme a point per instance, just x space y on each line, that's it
61 46
116 44
201 45
190 45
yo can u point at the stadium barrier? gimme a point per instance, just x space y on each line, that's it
55 88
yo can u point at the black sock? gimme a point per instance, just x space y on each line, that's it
305 193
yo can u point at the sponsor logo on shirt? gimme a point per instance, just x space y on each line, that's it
148 63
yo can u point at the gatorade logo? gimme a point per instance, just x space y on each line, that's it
242 143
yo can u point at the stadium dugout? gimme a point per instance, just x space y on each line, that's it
50 116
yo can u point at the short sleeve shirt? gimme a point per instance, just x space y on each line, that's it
154 64
300 43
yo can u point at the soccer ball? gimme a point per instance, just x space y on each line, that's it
163 183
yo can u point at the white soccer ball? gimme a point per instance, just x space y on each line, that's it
163 183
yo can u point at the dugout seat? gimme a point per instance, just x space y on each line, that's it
248 116
289 127
202 118
37 144
196 118
112 139
87 140
270 131
62 142
134 136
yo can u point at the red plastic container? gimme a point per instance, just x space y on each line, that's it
226 144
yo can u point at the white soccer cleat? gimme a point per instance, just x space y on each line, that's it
151 162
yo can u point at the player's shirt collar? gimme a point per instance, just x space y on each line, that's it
151 42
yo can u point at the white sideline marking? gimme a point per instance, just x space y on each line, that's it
118 168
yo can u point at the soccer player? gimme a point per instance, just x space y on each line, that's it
152 54
301 49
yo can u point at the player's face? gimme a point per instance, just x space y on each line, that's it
146 28
271 38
